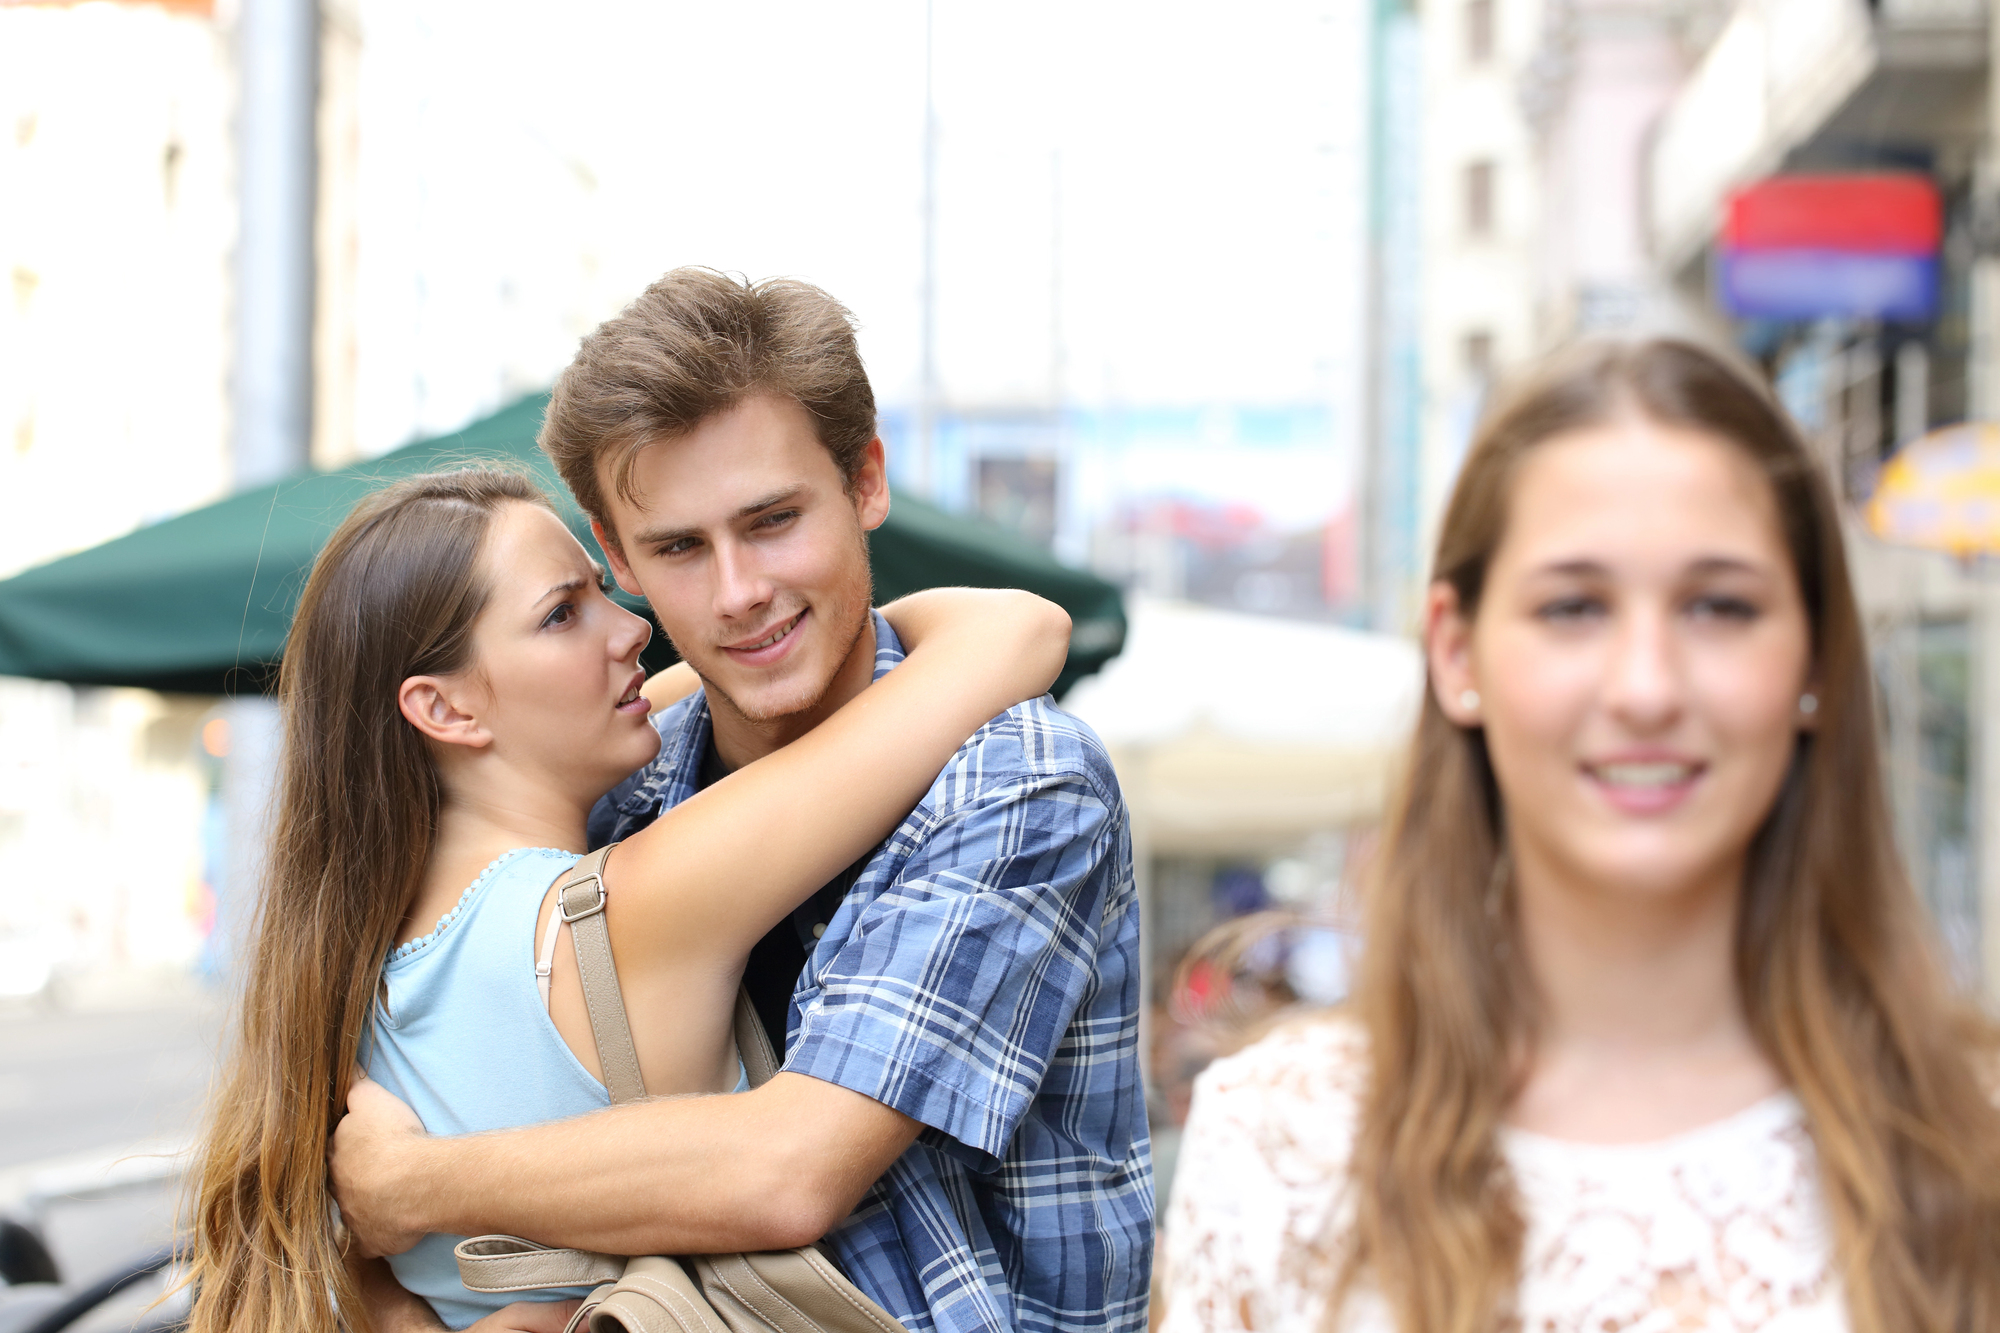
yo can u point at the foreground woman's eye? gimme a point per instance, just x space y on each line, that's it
1723 607
1570 609
563 613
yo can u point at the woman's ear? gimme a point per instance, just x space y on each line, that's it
1448 653
434 706
1809 704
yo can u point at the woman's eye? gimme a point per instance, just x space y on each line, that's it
561 615
1564 610
1720 607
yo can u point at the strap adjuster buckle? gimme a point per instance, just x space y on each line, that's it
588 909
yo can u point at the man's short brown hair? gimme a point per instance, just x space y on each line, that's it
694 344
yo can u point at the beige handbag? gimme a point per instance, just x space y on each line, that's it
775 1291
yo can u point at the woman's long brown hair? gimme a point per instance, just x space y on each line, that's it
1839 980
394 594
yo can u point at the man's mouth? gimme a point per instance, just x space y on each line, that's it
771 640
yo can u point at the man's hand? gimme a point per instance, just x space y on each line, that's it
369 1162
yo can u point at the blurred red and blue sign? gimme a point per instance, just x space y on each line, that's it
1856 246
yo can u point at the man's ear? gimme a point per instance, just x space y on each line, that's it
870 487
432 704
614 555
1448 653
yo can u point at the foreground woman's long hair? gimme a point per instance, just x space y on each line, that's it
394 594
1839 981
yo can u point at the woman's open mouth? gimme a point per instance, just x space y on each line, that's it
632 701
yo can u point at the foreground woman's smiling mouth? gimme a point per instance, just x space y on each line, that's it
1644 784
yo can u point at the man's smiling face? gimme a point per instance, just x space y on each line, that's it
752 550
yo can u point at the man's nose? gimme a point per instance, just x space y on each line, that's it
740 586
1644 678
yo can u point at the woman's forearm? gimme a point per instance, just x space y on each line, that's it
1002 628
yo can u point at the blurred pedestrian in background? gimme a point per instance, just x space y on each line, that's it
1650 1030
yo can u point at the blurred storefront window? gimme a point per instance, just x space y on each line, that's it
1926 672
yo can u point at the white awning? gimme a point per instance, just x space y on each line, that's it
1239 733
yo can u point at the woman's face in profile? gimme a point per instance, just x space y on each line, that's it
1638 655
555 674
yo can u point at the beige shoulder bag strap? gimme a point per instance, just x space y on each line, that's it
753 1045
580 905
580 902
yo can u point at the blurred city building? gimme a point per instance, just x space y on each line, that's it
1537 119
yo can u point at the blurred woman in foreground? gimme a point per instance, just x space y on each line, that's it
1649 1032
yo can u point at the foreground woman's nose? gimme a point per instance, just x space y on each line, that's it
1643 676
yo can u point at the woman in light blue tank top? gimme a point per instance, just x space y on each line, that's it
458 692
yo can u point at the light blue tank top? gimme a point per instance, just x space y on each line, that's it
461 1035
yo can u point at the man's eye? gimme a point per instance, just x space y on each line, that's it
681 547
779 519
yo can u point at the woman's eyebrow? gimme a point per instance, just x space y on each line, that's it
568 585
1580 567
1584 567
1727 564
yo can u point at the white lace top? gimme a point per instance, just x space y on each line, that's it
1718 1230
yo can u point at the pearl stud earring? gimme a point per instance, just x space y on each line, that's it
1808 703
1468 700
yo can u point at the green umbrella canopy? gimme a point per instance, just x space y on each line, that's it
201 603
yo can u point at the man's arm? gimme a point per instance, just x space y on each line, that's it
763 1170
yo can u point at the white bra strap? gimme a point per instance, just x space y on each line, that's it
545 960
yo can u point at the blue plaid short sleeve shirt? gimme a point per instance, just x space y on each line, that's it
981 977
